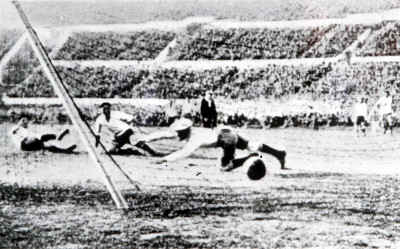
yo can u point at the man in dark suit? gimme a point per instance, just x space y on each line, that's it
208 111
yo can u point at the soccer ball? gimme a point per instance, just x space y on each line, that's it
256 169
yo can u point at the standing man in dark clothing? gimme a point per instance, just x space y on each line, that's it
208 111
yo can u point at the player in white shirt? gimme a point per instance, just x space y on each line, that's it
384 106
360 115
229 140
25 141
180 129
113 127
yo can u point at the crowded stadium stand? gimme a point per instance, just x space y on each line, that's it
271 82
266 43
310 61
145 45
7 39
385 43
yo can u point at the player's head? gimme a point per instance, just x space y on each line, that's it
183 128
227 137
179 112
106 109
387 93
208 94
23 122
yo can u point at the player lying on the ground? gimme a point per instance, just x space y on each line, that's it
180 129
117 131
31 142
229 140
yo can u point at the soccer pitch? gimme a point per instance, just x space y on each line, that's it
341 191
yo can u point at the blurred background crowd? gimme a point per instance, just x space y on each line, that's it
234 89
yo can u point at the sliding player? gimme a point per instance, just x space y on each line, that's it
117 125
229 140
180 129
31 142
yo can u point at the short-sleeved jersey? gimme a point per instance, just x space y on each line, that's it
385 104
361 109
118 122
18 134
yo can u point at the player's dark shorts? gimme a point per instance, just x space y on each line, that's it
31 144
360 120
228 155
229 150
123 138
387 120
184 134
242 143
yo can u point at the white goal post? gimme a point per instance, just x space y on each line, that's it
71 109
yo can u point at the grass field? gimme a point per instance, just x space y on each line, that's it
341 191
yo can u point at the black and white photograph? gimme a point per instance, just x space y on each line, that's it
200 124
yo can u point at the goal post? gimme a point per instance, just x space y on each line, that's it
70 107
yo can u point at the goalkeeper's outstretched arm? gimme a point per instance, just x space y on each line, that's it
191 146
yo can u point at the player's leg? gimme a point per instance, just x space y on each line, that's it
389 121
127 150
122 144
358 124
143 142
363 125
47 137
123 137
63 134
384 122
50 136
278 154
229 162
228 154
57 149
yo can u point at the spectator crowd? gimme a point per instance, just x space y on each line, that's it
340 82
386 43
265 43
213 44
144 45
271 81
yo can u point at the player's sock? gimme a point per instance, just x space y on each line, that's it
282 160
278 154
128 152
56 149
236 163
62 135
71 148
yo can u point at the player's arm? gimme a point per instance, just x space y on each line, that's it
169 134
97 130
194 143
